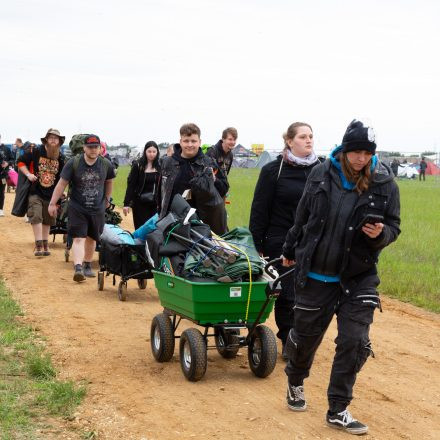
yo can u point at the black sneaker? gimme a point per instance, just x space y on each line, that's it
78 275
295 398
345 421
87 270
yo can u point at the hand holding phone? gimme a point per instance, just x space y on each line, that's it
371 219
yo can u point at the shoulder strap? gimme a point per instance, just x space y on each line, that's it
106 163
76 160
279 171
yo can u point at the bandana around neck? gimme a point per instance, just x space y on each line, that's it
291 159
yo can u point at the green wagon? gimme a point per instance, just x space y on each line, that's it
225 308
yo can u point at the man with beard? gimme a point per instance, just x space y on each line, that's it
91 182
42 166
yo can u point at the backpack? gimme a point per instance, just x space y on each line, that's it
76 144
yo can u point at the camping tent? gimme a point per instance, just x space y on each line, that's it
432 169
243 162
406 170
265 157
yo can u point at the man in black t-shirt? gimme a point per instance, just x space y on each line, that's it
91 183
42 166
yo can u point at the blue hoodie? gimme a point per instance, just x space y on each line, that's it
335 161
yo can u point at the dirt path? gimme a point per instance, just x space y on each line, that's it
94 336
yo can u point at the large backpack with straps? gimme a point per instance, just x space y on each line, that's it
76 144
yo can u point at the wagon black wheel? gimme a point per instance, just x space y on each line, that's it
162 338
142 284
122 291
192 350
66 255
226 342
100 280
262 351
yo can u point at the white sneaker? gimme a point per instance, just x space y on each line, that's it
2 214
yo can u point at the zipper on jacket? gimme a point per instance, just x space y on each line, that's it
341 198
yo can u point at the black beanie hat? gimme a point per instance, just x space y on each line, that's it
359 137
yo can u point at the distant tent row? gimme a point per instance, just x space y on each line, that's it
251 160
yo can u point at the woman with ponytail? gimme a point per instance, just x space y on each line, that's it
349 212
276 197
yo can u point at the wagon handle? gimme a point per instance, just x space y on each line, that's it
272 263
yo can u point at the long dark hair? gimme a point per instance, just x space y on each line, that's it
361 179
143 162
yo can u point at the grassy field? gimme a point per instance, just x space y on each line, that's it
30 393
409 268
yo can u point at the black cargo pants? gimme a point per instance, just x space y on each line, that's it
315 305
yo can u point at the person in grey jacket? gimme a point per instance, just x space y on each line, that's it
349 212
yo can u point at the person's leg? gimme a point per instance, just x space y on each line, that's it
95 227
2 197
35 214
48 221
78 250
77 230
353 347
314 308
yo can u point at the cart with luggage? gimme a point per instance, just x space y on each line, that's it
128 261
232 313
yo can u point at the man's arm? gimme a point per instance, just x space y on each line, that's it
57 193
108 191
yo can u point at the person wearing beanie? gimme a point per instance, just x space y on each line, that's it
349 212
276 197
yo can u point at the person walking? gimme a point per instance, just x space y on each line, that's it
6 162
143 186
349 212
42 166
423 165
179 172
91 182
276 197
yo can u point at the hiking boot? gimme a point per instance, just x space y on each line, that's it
295 398
87 270
38 250
78 275
46 250
345 421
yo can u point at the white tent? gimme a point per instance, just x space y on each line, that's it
406 170
266 157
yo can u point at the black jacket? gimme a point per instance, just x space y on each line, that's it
224 160
360 253
5 156
275 202
136 182
170 171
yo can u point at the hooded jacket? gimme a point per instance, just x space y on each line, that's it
276 197
224 160
317 222
171 167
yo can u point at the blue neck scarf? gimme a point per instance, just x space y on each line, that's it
345 183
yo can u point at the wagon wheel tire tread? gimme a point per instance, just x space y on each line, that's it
198 356
122 291
226 353
101 281
268 352
142 284
162 344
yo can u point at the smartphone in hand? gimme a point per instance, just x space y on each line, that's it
372 219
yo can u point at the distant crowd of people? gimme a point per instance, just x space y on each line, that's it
328 218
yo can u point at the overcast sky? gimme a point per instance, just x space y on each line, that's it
131 71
